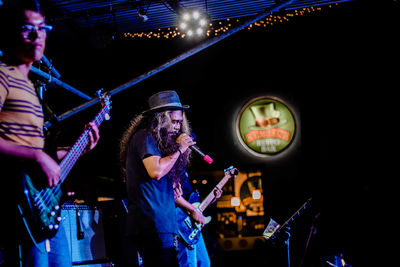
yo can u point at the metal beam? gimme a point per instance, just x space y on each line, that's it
52 79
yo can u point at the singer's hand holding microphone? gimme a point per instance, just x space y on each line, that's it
186 141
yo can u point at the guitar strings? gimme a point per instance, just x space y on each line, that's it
46 196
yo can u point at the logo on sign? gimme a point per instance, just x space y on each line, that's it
266 126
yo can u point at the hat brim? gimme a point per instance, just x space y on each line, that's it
164 108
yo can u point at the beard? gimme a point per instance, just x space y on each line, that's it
167 142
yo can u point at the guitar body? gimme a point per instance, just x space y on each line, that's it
41 208
207 219
189 232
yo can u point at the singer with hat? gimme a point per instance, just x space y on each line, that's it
154 153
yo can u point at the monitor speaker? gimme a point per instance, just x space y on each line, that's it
84 229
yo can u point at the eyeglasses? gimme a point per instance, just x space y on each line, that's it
42 30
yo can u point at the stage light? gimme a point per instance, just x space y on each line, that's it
192 23
143 17
196 14
142 14
202 22
186 16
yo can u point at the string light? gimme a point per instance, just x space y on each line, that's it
220 27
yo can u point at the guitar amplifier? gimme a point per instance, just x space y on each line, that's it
83 226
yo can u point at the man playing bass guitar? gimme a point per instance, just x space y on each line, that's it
22 139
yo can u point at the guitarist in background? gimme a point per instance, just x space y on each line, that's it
196 255
22 139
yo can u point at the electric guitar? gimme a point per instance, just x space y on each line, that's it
188 230
40 206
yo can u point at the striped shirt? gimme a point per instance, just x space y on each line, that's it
21 115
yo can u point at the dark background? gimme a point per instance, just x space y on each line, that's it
336 68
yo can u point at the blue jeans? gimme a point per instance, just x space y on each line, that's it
198 256
58 256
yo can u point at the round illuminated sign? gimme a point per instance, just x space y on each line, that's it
266 126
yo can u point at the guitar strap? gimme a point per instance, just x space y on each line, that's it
50 144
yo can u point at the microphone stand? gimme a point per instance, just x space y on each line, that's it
284 237
283 232
312 229
287 245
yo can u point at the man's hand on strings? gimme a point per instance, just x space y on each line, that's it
94 136
49 167
217 194
197 216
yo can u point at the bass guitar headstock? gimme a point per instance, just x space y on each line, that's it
105 103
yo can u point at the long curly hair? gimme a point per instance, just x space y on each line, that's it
160 126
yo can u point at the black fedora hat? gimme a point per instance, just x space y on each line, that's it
165 100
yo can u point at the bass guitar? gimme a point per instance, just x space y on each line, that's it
40 205
189 232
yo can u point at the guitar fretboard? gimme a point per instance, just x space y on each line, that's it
207 201
75 152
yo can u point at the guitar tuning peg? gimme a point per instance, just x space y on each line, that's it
228 169
99 93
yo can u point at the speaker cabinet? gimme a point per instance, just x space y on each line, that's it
84 229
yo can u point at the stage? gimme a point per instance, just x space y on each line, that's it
334 68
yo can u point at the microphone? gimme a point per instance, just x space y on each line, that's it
196 149
205 157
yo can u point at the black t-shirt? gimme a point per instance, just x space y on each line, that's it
151 205
186 186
